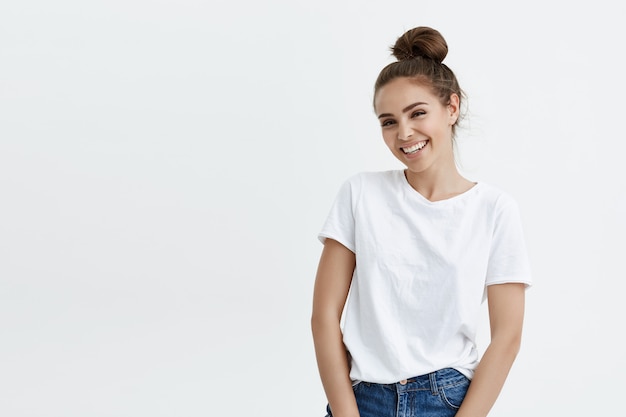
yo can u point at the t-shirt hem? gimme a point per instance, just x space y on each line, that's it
467 372
323 236
526 282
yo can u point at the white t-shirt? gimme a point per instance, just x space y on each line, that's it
421 272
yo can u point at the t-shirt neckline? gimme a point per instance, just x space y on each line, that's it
405 184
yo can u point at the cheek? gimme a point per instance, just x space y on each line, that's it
439 131
389 139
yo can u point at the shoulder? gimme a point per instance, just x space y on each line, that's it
370 186
497 205
494 196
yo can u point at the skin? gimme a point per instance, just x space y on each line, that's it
411 114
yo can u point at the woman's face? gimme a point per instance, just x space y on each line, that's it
416 127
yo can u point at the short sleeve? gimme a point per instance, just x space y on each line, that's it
340 224
508 258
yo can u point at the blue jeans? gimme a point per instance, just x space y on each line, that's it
438 394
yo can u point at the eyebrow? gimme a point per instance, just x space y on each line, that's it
404 110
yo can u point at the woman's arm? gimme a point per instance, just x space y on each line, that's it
506 316
332 283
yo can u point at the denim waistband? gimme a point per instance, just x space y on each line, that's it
442 378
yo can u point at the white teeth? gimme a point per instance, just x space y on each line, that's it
412 149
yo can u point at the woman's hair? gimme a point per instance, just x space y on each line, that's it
420 52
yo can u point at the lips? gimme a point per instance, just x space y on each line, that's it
409 150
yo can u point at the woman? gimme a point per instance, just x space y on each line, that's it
418 250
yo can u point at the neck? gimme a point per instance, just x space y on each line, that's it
438 184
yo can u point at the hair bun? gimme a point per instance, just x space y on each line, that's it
420 42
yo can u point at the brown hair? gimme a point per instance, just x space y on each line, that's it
420 52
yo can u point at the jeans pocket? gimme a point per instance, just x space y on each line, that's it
453 395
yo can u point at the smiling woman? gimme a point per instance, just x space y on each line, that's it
419 134
419 250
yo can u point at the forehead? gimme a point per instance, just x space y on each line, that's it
399 93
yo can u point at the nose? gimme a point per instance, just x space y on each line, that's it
404 132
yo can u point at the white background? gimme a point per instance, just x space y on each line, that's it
165 167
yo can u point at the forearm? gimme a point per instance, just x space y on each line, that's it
332 361
489 378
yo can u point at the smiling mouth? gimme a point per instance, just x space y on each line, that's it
415 148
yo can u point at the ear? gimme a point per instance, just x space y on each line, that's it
454 109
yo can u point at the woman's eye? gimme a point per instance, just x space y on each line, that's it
387 123
418 113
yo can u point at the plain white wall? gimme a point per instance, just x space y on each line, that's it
165 167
